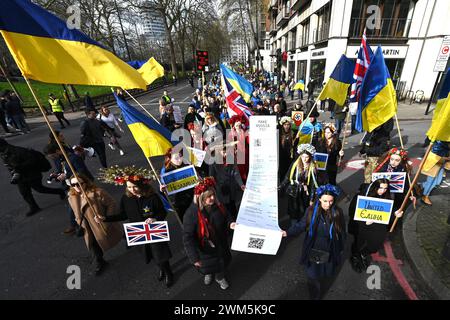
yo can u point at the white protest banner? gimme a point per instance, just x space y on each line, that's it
396 180
199 156
257 229
180 179
373 209
177 114
140 233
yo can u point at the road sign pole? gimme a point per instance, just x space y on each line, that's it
438 79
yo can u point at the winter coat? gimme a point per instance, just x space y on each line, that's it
21 160
92 132
138 210
213 260
107 235
378 142
333 153
228 181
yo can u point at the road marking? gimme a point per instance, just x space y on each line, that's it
394 265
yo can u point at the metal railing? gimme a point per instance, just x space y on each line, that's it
387 28
283 14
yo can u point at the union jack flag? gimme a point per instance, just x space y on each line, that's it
396 180
235 103
142 233
365 55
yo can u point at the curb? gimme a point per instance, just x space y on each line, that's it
418 259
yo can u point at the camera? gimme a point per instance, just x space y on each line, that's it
52 177
15 178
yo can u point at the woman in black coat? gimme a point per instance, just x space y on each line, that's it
368 237
206 231
141 203
324 240
285 146
332 146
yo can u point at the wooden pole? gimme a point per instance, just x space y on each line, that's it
10 83
66 157
165 192
140 105
412 184
345 136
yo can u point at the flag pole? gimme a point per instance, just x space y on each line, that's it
310 111
165 192
66 157
412 184
403 147
140 105
10 83
345 136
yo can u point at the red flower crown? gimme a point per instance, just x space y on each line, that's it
399 152
205 184
123 179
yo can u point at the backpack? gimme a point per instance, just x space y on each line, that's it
42 164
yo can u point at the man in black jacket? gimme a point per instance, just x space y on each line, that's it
92 133
23 165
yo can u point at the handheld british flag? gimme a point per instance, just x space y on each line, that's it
396 180
365 55
236 105
143 233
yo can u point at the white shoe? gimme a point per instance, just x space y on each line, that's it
121 152
223 284
208 279
111 146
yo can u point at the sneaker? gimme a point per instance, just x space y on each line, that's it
121 152
208 279
70 230
223 284
111 146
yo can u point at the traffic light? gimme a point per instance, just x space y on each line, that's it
202 60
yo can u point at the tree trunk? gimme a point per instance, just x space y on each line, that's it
173 60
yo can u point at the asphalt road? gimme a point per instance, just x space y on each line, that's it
36 254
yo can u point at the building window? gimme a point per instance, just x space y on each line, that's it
323 23
394 18
305 34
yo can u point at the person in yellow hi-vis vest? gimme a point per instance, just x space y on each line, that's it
57 109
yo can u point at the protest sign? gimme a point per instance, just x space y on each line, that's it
142 233
396 180
180 179
373 209
321 160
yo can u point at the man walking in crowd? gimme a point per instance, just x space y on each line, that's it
92 133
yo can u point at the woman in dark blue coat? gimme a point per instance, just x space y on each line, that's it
324 240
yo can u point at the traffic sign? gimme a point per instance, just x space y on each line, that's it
444 54
202 60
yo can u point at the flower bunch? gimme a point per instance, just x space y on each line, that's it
399 152
119 176
203 185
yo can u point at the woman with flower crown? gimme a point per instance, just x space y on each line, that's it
396 160
207 225
301 182
285 145
323 246
141 203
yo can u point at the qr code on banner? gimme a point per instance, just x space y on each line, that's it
258 142
256 243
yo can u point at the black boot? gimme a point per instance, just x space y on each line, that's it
99 267
161 275
33 211
168 275
168 279
356 263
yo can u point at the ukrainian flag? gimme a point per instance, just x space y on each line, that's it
378 102
300 85
45 49
306 131
240 84
153 138
150 70
440 126
340 80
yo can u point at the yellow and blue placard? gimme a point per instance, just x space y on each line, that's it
321 160
300 85
340 80
240 84
180 179
373 209
378 101
440 126
45 49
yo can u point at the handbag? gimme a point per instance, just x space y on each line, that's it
292 190
317 256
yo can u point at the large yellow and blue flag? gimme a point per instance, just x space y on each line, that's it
378 102
153 138
300 85
45 49
340 80
440 126
240 84
150 70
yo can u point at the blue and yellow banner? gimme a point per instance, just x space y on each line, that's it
153 138
240 84
45 49
378 101
440 126
300 85
321 160
373 209
150 70
340 80
180 179
307 130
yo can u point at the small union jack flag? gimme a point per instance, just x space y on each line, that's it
142 233
235 103
396 180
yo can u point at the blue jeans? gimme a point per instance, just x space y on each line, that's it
354 123
432 182
339 125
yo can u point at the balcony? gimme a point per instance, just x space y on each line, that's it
273 5
273 29
297 4
283 16
388 28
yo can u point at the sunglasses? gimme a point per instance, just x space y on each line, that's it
76 184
